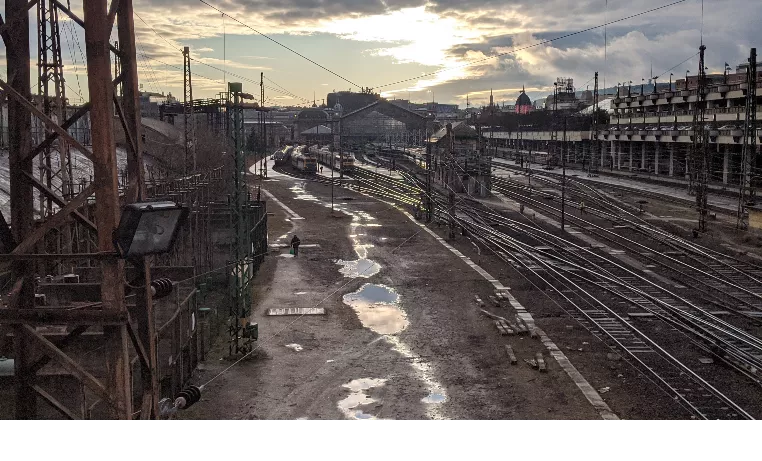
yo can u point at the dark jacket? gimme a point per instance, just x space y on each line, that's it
295 241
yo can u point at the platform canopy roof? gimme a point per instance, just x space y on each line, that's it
317 130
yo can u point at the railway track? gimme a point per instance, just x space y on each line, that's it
709 270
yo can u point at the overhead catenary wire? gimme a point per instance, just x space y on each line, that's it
533 45
225 71
281 44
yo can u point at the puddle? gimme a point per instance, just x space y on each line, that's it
358 397
434 398
364 268
423 370
377 307
300 293
295 347
286 255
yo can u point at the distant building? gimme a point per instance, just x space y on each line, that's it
351 101
523 103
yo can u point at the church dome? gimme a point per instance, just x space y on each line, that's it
523 99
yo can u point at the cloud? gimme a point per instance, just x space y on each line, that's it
410 37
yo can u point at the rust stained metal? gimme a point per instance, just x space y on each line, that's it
69 364
50 194
54 221
45 119
101 91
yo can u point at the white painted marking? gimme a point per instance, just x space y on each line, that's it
282 205
296 311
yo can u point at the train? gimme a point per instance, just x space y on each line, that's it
333 159
303 161
282 155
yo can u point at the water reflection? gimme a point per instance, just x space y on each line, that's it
377 307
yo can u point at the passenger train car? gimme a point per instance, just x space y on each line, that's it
282 155
334 160
304 161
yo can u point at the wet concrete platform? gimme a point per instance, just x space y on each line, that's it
400 338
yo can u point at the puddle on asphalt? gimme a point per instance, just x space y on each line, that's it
286 255
358 397
295 347
300 293
364 268
377 307
423 370
434 398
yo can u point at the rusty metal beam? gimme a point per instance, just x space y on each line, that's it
58 316
101 90
79 113
136 191
55 403
129 134
50 194
45 359
4 27
81 23
45 119
112 13
69 364
22 214
54 221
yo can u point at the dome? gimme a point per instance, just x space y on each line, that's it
523 99
312 114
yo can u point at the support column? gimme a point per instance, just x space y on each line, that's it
687 171
643 148
618 153
657 149
726 164
671 159
144 313
101 90
22 213
630 143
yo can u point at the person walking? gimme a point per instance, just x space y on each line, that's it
295 245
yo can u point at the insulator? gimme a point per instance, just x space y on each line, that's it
187 397
161 287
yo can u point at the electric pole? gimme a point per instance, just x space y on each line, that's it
451 193
700 153
430 202
564 150
749 153
595 146
189 125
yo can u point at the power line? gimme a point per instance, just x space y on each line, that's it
292 94
543 42
224 71
677 65
282 45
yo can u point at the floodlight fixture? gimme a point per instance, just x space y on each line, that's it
147 228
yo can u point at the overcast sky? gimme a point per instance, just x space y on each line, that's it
374 43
